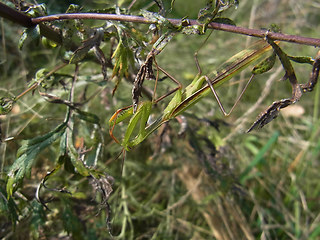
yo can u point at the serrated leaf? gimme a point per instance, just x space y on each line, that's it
8 207
27 154
38 219
72 152
123 57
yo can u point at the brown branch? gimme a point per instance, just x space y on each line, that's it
218 26
26 21
16 16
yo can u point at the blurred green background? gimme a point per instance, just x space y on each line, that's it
215 181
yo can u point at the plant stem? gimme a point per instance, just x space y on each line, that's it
213 25
26 21
16 16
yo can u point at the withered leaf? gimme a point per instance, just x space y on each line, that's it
145 71
270 113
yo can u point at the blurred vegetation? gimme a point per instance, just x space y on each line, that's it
213 181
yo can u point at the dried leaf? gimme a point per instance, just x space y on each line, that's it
145 71
270 113
93 41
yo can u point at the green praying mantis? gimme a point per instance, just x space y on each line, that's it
200 87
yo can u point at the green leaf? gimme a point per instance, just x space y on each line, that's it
31 33
265 65
123 57
72 152
71 222
8 207
6 105
88 117
27 154
302 59
38 219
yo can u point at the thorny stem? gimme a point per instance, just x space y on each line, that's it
213 25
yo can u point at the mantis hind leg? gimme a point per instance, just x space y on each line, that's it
211 86
218 99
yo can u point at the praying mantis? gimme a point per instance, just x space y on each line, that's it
200 87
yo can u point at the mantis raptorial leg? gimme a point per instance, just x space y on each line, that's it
171 91
115 116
